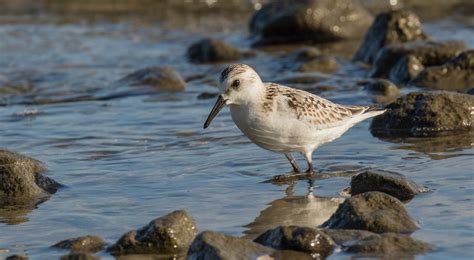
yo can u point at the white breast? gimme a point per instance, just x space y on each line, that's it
280 132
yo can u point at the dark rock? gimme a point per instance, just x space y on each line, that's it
287 21
380 87
428 53
207 95
426 114
388 28
170 234
470 91
161 78
373 211
213 245
211 50
405 70
86 244
79 256
19 177
343 236
324 64
456 74
304 54
16 257
296 238
389 244
392 183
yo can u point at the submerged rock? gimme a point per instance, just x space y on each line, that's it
426 114
305 239
86 244
389 244
373 211
428 53
211 50
79 256
286 21
342 236
213 245
16 257
392 183
159 77
388 28
456 74
380 87
324 64
20 177
170 234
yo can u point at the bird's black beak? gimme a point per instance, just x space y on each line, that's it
215 110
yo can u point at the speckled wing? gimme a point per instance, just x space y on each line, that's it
315 111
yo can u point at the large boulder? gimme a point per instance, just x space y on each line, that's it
21 178
84 244
162 78
426 114
213 245
212 50
388 28
373 211
170 234
456 74
390 245
288 21
406 69
392 183
305 239
427 53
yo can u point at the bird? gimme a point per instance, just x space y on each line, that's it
283 119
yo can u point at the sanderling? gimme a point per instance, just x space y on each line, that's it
283 119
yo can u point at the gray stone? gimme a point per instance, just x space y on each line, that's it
373 211
287 21
388 28
456 74
389 244
20 177
85 244
392 183
170 234
159 77
305 239
212 50
380 87
426 114
428 53
213 245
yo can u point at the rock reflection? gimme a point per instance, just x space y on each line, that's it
13 211
436 148
308 210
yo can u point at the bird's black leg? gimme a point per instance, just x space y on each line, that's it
292 161
309 159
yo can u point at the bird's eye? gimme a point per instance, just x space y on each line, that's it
236 83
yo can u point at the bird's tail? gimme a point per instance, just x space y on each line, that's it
360 113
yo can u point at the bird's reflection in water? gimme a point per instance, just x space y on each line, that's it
306 210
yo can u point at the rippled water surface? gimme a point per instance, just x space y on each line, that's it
127 160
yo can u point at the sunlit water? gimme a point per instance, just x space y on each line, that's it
129 160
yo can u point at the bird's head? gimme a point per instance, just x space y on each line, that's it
237 84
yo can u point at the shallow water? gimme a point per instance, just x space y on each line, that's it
127 160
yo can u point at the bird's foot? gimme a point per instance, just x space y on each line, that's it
294 176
